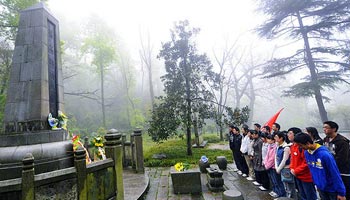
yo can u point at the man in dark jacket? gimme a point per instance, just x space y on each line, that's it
235 145
338 145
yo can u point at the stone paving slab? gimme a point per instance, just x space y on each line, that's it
135 184
156 184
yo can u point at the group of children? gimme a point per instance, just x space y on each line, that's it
295 164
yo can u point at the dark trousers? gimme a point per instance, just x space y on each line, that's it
240 161
277 184
346 181
306 190
328 195
262 178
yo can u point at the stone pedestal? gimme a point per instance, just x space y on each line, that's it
203 166
185 182
221 161
232 195
215 180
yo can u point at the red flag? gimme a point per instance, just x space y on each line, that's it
273 119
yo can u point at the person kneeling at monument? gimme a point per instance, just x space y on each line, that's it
323 167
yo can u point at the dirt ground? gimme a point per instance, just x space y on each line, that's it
219 146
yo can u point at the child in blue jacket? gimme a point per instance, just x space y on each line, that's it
323 167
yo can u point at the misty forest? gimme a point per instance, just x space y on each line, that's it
299 60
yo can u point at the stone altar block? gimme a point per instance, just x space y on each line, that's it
185 182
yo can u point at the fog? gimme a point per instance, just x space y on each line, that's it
223 23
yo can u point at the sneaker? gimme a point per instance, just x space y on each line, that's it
274 195
250 178
239 172
235 170
256 183
262 188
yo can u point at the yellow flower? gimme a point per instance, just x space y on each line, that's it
99 144
179 167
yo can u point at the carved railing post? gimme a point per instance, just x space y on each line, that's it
124 150
114 150
28 192
138 151
80 166
133 152
86 143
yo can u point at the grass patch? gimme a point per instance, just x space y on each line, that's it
211 138
176 151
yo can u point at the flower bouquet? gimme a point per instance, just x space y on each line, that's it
182 166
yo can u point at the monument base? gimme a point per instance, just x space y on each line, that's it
55 154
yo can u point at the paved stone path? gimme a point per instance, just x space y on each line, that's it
135 184
161 187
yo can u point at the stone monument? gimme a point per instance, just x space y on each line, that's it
35 90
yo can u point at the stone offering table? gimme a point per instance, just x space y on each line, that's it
185 182
215 180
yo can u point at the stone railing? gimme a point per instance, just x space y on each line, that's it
98 180
132 150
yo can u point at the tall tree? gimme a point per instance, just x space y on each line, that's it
127 80
223 60
101 46
146 58
318 25
187 74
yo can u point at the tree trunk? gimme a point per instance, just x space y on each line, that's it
188 119
151 90
252 100
220 112
196 132
103 97
146 56
221 130
312 69
188 100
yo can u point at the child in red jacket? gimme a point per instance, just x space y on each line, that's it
300 169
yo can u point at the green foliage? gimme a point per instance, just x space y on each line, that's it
187 74
9 16
321 26
99 44
236 117
175 150
164 122
5 65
